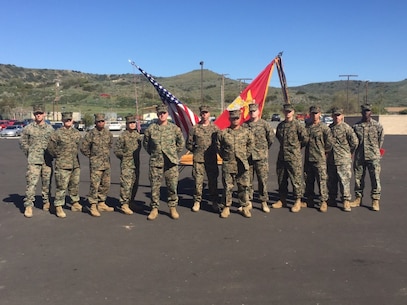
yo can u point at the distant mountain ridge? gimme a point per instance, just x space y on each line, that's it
22 87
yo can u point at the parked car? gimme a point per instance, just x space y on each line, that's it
115 126
80 126
3 124
57 125
143 127
328 120
11 131
275 117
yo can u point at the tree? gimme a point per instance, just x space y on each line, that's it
88 119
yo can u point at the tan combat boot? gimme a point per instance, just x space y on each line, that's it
196 207
323 207
126 209
76 207
173 213
45 206
102 207
280 203
297 206
375 205
94 210
355 203
153 214
225 212
265 208
28 212
246 211
59 211
347 206
250 205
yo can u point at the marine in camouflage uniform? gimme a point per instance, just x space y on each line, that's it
33 142
339 159
315 165
292 137
367 156
96 145
235 145
258 161
163 141
127 149
202 143
63 146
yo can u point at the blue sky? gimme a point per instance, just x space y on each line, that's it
320 39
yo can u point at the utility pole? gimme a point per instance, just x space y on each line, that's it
201 63
242 80
222 93
367 82
347 86
56 99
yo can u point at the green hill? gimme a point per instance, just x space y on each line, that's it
90 93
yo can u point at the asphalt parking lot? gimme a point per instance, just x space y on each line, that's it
276 258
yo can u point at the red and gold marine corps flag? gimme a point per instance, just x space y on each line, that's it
255 92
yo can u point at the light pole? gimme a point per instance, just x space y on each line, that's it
201 63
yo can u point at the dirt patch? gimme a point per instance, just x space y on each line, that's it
394 124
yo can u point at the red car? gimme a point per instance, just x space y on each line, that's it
3 124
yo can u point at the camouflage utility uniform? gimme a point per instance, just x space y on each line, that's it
33 142
163 143
235 147
367 155
202 143
258 161
127 149
292 137
340 161
63 146
96 146
315 167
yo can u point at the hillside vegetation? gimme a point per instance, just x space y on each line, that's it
66 90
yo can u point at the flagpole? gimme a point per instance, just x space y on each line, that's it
135 95
281 75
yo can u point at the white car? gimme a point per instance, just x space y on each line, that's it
12 131
115 126
328 120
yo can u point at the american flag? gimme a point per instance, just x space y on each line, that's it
181 114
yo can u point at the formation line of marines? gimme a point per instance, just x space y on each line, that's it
243 148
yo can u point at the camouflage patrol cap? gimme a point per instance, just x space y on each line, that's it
366 107
314 109
234 114
99 117
337 110
38 108
288 107
66 116
204 108
131 119
253 107
161 108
